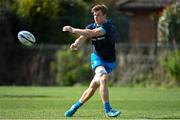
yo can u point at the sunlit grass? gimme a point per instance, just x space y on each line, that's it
52 102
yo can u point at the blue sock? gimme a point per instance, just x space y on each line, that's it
77 104
107 106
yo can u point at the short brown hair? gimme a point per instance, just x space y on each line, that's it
102 7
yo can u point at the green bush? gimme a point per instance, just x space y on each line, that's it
45 18
169 24
71 67
32 8
171 64
41 17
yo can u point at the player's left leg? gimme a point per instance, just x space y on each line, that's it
88 93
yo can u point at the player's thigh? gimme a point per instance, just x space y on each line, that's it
94 83
100 70
101 75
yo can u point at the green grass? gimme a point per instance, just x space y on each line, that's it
52 102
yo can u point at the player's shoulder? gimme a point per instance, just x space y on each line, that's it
107 23
91 26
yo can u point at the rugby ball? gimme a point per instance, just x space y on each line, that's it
26 38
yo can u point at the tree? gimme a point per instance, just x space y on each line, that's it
169 32
169 24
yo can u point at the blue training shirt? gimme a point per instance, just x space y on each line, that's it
104 46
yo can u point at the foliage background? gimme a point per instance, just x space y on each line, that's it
44 63
169 24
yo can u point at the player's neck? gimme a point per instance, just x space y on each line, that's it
98 24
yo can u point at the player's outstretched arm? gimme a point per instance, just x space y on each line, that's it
84 32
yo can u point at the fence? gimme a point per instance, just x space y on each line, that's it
136 64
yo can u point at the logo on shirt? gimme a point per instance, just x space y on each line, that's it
98 38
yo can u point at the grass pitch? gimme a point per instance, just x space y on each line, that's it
52 102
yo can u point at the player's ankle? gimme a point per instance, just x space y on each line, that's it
77 105
107 107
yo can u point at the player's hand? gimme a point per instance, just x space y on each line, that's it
74 46
68 29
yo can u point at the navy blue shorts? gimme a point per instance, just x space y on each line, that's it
98 61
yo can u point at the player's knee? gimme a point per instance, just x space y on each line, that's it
104 79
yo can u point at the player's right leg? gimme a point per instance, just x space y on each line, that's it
103 80
88 93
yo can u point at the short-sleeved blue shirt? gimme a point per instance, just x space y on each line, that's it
104 46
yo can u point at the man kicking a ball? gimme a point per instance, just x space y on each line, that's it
102 35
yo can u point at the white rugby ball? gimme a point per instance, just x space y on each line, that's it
26 38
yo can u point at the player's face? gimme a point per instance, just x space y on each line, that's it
99 17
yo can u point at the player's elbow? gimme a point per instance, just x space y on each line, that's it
91 33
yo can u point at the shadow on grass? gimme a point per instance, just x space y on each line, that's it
163 118
25 96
